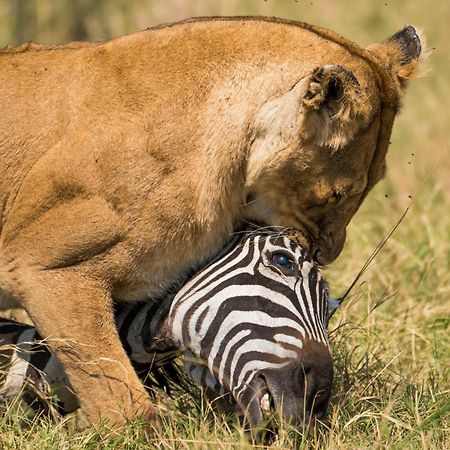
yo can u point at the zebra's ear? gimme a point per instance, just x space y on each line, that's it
334 106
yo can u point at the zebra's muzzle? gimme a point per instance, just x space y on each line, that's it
298 393
301 390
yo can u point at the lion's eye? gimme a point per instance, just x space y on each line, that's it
283 261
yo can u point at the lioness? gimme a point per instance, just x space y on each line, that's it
127 162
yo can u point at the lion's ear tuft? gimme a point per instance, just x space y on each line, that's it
333 104
402 53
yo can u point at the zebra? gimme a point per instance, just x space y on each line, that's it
252 326
30 372
257 319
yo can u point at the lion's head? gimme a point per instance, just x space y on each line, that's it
319 148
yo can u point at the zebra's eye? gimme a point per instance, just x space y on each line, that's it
283 261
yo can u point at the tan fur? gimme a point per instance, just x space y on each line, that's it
128 162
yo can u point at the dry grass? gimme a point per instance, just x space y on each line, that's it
391 346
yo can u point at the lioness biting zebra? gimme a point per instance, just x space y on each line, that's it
252 326
127 163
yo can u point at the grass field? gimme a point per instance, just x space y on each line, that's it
391 340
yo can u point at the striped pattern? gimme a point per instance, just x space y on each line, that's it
243 314
240 315
28 370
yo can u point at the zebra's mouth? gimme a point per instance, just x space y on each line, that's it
257 403
267 405
266 402
266 424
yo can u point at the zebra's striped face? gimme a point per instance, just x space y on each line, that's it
257 319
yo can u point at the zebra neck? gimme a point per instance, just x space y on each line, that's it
143 329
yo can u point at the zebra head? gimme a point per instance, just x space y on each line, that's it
256 318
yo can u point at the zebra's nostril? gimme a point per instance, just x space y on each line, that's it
303 376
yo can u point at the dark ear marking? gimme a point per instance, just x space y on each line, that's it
409 43
402 56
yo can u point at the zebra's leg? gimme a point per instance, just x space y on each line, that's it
74 313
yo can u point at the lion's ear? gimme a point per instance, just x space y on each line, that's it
401 54
333 106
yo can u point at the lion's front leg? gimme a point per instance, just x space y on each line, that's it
74 313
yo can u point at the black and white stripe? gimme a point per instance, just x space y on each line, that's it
243 314
29 370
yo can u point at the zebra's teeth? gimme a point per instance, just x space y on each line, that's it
265 402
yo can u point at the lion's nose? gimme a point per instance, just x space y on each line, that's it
328 247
